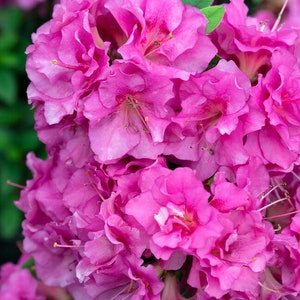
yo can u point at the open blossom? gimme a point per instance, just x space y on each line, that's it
132 117
176 214
60 204
248 41
239 256
17 281
60 75
169 39
214 101
286 248
277 142
282 105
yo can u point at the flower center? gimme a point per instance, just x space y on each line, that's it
133 114
172 218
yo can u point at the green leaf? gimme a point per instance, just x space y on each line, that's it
8 87
214 15
198 3
213 62
28 264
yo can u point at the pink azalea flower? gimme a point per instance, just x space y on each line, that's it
56 215
249 42
283 273
169 38
282 105
233 265
277 142
175 214
214 101
61 75
132 117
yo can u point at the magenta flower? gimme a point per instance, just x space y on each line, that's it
169 43
132 117
64 63
248 41
213 101
59 214
233 265
282 105
175 214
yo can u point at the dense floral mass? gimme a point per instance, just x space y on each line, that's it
173 153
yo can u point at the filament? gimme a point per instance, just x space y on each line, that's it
88 174
268 289
273 188
279 16
56 245
15 184
273 203
282 215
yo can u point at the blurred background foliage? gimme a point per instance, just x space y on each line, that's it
17 136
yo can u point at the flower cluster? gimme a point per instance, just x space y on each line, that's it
173 155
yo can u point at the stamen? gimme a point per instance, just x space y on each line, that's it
297 176
127 289
275 26
273 188
268 289
262 26
15 184
88 174
135 105
57 63
207 146
56 245
278 228
282 215
98 40
273 203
